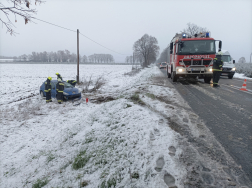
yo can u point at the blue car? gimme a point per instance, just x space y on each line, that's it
69 92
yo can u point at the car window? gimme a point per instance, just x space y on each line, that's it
67 85
53 85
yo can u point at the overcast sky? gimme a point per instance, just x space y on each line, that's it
117 24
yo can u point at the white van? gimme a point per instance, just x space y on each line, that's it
228 68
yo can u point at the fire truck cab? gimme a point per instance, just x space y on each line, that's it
191 56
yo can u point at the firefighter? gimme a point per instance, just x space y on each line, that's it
72 82
217 69
48 88
59 76
60 89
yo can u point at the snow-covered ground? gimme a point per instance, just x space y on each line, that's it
121 141
139 138
241 76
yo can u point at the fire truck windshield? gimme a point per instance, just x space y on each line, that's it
197 47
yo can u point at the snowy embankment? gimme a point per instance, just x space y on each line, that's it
241 76
244 70
116 143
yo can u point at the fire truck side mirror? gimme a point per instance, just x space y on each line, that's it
171 47
220 44
233 61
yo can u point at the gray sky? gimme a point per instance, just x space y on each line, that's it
117 24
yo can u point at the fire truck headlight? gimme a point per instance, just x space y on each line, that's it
233 69
210 70
180 70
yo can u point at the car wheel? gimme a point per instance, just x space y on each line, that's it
207 80
174 77
42 94
230 76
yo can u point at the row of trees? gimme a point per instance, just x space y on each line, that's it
137 59
101 58
64 56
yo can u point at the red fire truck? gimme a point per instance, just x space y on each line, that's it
191 56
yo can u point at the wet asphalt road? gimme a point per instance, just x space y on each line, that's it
227 112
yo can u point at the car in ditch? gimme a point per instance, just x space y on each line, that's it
70 92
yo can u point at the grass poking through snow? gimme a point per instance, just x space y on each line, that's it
81 160
40 183
136 99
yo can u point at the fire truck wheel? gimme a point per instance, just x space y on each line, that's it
168 74
173 76
207 80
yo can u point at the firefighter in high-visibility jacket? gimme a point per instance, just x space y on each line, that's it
60 89
59 76
217 69
72 82
48 88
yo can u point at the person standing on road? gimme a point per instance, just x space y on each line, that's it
59 76
217 69
48 88
60 89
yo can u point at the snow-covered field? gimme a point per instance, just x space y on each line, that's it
144 136
114 143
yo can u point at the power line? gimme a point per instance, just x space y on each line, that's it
55 25
102 45
80 33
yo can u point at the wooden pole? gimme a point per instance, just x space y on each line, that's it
77 77
133 60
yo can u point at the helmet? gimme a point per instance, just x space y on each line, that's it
57 73
49 78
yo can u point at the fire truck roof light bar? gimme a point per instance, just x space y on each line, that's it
184 35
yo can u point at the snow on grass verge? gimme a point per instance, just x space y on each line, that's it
242 76
120 143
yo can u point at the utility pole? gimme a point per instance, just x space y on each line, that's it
77 77
250 57
133 61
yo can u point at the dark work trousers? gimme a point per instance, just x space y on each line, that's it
60 97
48 96
216 77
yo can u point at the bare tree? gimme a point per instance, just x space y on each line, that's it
19 8
147 47
242 60
193 29
84 59
163 56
